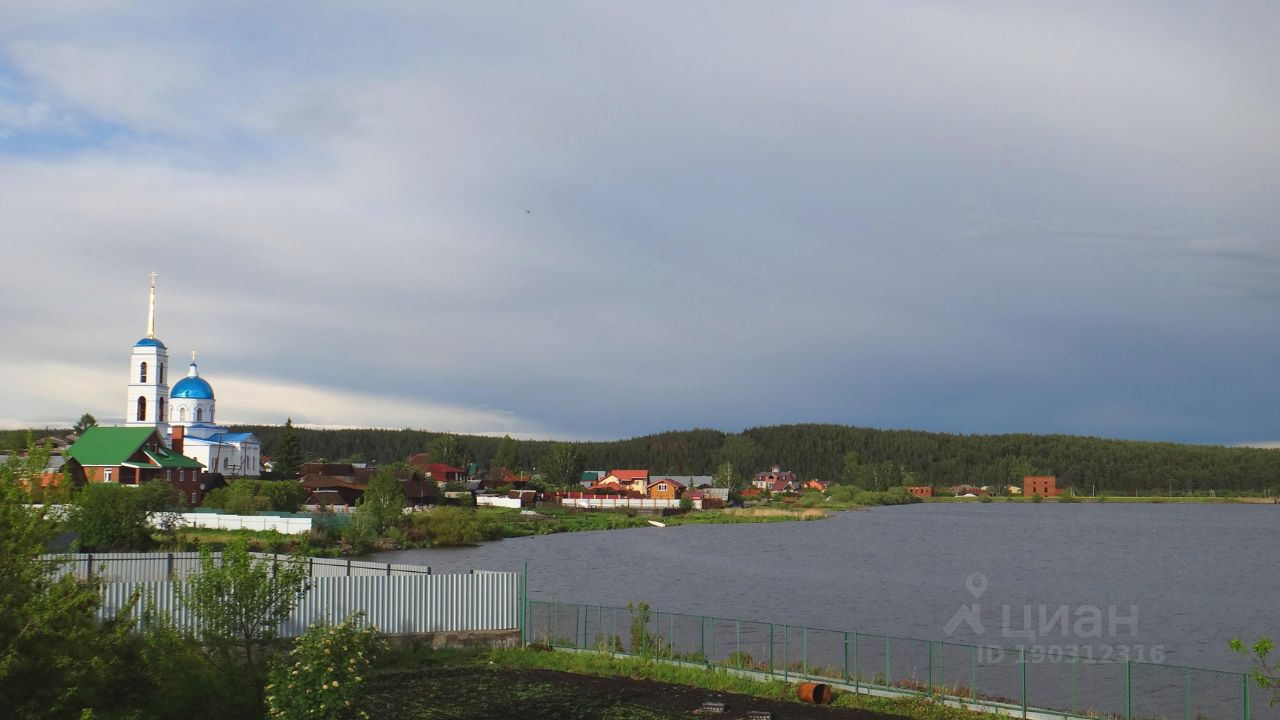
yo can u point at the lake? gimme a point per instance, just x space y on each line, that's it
1183 578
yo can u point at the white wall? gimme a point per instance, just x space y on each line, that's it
219 521
495 501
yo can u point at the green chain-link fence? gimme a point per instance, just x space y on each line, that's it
981 676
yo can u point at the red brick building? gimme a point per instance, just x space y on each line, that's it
1042 485
922 491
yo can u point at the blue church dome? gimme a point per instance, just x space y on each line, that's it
192 386
150 342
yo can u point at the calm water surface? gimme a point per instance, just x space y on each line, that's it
1197 574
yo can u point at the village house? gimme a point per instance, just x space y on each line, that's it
625 481
132 456
665 488
1042 485
341 485
816 484
439 472
776 480
920 491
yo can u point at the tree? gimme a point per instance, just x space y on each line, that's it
56 658
382 505
448 449
850 468
1265 674
110 516
287 463
727 477
741 452
561 467
85 422
240 602
506 456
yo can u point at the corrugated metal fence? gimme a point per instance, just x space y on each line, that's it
147 567
396 605
397 599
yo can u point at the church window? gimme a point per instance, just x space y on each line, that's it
142 373
182 414
160 410
199 414
162 366
142 408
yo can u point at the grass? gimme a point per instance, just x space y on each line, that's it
719 680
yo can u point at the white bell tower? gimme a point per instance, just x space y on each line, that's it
148 396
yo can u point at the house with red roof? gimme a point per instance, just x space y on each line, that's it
776 480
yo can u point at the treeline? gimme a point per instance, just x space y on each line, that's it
1089 465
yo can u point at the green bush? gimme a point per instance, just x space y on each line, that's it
244 496
1036 498
450 526
110 516
984 499
323 676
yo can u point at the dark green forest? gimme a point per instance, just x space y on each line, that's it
1089 465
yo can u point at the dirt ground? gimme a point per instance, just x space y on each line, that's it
472 693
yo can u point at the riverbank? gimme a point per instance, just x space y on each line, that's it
1109 499
468 526
535 684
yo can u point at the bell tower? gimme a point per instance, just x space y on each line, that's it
148 395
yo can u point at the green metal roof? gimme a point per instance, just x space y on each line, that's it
108 445
115 445
167 458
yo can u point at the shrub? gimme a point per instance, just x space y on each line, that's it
115 516
450 526
1036 498
322 677
984 498
245 496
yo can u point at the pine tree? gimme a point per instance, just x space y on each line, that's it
287 464
506 457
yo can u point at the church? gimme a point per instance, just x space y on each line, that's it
184 416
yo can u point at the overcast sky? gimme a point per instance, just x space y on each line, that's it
598 220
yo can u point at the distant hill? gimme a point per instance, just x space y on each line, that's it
941 459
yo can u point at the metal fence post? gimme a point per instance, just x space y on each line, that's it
888 668
845 657
615 640
770 648
786 652
1022 660
1244 683
804 651
737 643
929 674
169 566
857 676
707 653
575 624
973 680
1128 689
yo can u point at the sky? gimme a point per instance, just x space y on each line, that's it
593 220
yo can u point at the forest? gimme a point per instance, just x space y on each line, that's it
841 453
1088 465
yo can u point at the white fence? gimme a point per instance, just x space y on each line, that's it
620 502
152 567
396 604
219 521
497 501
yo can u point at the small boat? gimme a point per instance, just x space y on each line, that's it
655 523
